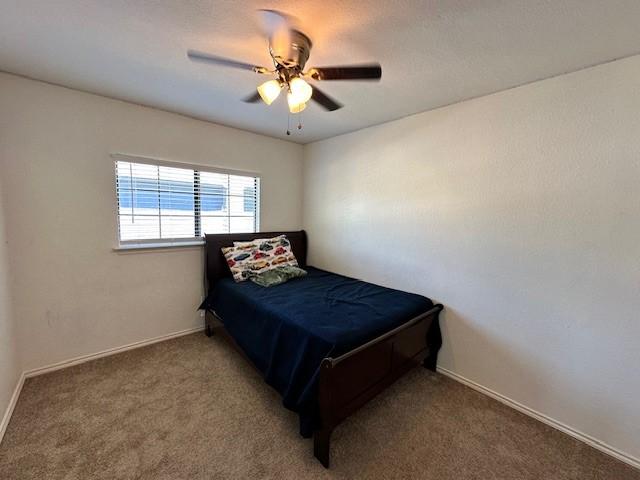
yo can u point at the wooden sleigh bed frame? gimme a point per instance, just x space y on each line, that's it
348 381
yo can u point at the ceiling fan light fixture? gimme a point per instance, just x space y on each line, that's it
289 49
295 106
269 91
300 90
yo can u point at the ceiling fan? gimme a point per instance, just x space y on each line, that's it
290 48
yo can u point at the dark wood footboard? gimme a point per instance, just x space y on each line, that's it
351 380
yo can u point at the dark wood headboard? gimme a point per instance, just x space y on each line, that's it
215 264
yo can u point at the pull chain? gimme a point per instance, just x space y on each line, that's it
300 120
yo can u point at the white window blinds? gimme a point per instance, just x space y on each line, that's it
160 203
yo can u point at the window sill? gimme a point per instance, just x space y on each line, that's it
142 247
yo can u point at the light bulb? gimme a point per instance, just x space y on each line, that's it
294 105
269 91
300 90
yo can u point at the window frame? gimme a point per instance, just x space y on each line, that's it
181 241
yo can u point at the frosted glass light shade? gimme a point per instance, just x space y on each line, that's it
300 90
294 105
269 91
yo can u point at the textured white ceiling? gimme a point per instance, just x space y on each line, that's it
432 52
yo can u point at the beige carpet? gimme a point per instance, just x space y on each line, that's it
191 408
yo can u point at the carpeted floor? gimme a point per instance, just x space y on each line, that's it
191 408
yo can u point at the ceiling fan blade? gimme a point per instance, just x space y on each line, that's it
226 62
325 100
277 27
372 71
253 98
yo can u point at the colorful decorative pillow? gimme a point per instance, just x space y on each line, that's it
277 251
276 276
243 261
258 256
258 241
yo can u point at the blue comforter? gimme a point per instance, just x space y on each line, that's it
287 330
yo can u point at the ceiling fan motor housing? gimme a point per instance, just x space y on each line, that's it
297 52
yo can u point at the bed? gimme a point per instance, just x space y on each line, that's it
327 343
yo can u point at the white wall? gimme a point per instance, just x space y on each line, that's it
519 211
9 365
73 294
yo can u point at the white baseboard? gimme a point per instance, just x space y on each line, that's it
589 440
105 353
78 360
12 404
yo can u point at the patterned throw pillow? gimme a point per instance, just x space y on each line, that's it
243 261
277 251
257 241
258 256
276 276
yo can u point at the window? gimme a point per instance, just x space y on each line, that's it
172 204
